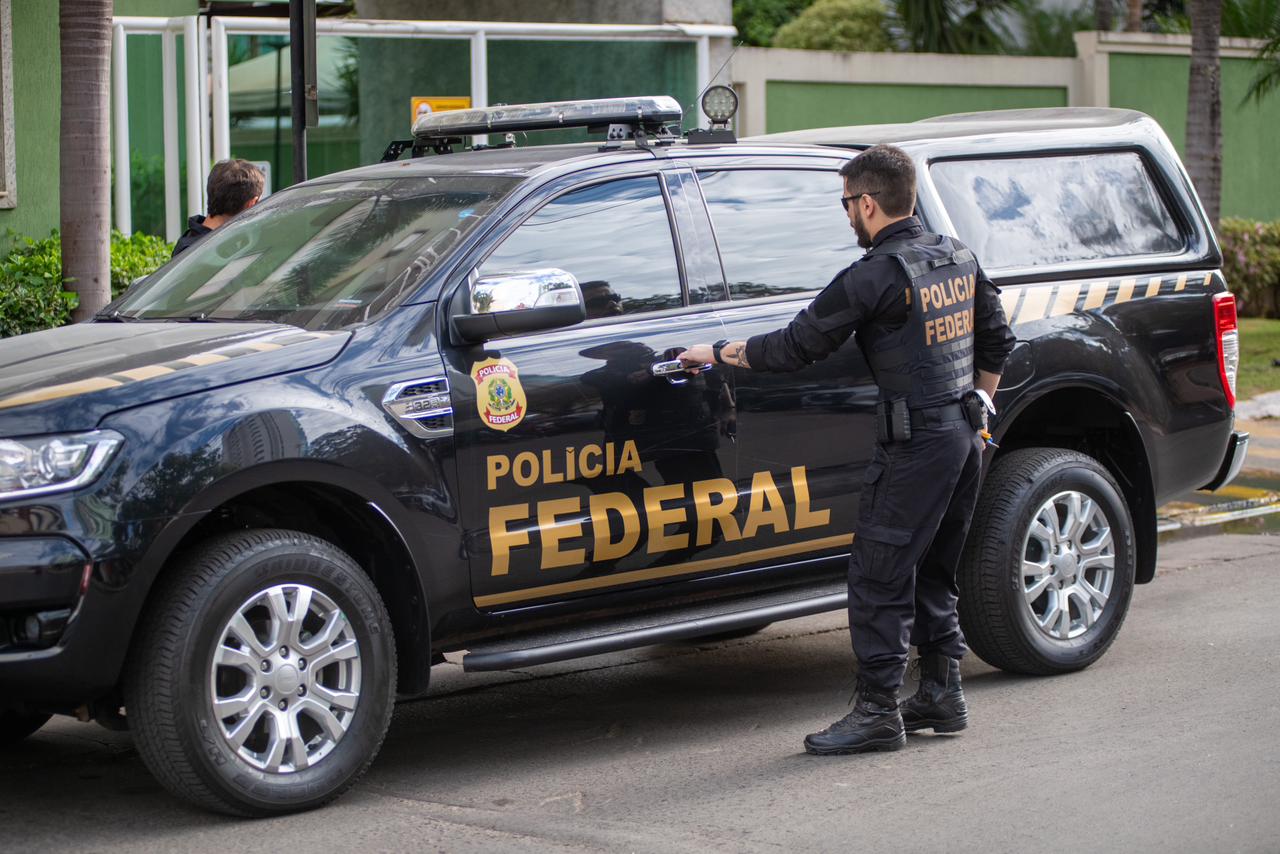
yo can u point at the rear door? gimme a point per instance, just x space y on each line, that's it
581 472
805 437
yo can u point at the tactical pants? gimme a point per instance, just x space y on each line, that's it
917 501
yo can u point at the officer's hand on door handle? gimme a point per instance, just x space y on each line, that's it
730 353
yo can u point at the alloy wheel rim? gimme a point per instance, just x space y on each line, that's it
285 678
1068 565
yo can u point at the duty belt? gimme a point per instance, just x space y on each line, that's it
935 416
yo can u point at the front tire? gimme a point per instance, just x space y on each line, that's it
1048 568
262 680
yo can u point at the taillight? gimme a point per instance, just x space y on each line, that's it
1224 316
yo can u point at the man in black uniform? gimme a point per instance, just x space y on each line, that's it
234 186
930 325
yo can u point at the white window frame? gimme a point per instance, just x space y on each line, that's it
8 165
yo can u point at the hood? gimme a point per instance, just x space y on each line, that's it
68 379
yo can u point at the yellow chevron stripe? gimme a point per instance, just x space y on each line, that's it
146 372
1153 286
54 392
1126 290
203 358
1182 283
1097 295
1009 301
1034 304
1065 302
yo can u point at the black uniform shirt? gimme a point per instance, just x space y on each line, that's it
868 297
196 229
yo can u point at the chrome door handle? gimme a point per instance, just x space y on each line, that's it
675 370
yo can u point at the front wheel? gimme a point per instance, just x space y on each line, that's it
1048 568
262 680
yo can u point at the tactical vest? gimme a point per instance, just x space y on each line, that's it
929 361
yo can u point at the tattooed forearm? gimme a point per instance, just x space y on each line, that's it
737 355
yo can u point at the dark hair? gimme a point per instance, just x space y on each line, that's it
232 185
887 171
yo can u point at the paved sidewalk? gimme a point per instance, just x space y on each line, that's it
1264 444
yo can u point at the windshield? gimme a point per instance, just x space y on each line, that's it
322 256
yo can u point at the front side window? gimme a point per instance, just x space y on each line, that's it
615 238
780 231
1023 212
321 256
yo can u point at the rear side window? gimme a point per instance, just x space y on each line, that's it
1049 210
780 231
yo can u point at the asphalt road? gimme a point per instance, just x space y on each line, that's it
1170 743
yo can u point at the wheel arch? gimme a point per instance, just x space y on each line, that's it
326 501
1093 421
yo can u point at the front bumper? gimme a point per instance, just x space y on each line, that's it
1232 461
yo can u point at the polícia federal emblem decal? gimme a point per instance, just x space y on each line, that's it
499 395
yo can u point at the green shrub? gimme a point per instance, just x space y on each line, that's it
860 25
1251 263
135 255
33 294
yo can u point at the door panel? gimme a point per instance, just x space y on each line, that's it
782 233
597 484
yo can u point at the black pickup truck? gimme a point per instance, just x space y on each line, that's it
433 405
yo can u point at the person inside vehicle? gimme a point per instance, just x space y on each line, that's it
234 186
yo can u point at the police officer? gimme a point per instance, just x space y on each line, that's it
930 325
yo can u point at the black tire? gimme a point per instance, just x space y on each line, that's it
731 634
169 693
997 620
15 726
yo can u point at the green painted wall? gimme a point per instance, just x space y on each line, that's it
35 118
1157 85
793 106
36 94
393 71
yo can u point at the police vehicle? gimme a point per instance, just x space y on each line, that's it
433 405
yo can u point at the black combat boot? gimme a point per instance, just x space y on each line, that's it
938 704
874 724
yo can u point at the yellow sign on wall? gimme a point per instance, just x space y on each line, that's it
425 104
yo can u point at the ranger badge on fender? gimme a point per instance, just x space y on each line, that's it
499 395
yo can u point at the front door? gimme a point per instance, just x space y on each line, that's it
782 236
582 473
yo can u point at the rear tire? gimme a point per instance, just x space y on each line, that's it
1047 573
15 726
225 708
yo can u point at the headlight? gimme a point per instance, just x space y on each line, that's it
44 464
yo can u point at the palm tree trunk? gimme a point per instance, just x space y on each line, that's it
1134 22
85 151
1204 105
1103 14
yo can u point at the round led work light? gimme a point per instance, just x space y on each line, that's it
719 103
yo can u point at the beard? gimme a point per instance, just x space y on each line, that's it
860 229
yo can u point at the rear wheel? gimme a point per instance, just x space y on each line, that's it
15 726
1048 568
263 679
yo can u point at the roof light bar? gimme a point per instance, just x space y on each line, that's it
650 113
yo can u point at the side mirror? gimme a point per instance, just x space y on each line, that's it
508 304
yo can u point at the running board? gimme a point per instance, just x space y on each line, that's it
658 627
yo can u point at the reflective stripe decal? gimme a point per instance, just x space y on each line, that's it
274 341
1028 303
659 572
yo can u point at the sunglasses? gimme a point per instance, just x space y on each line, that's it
845 200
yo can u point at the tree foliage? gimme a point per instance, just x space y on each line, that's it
955 26
860 25
1051 31
758 20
